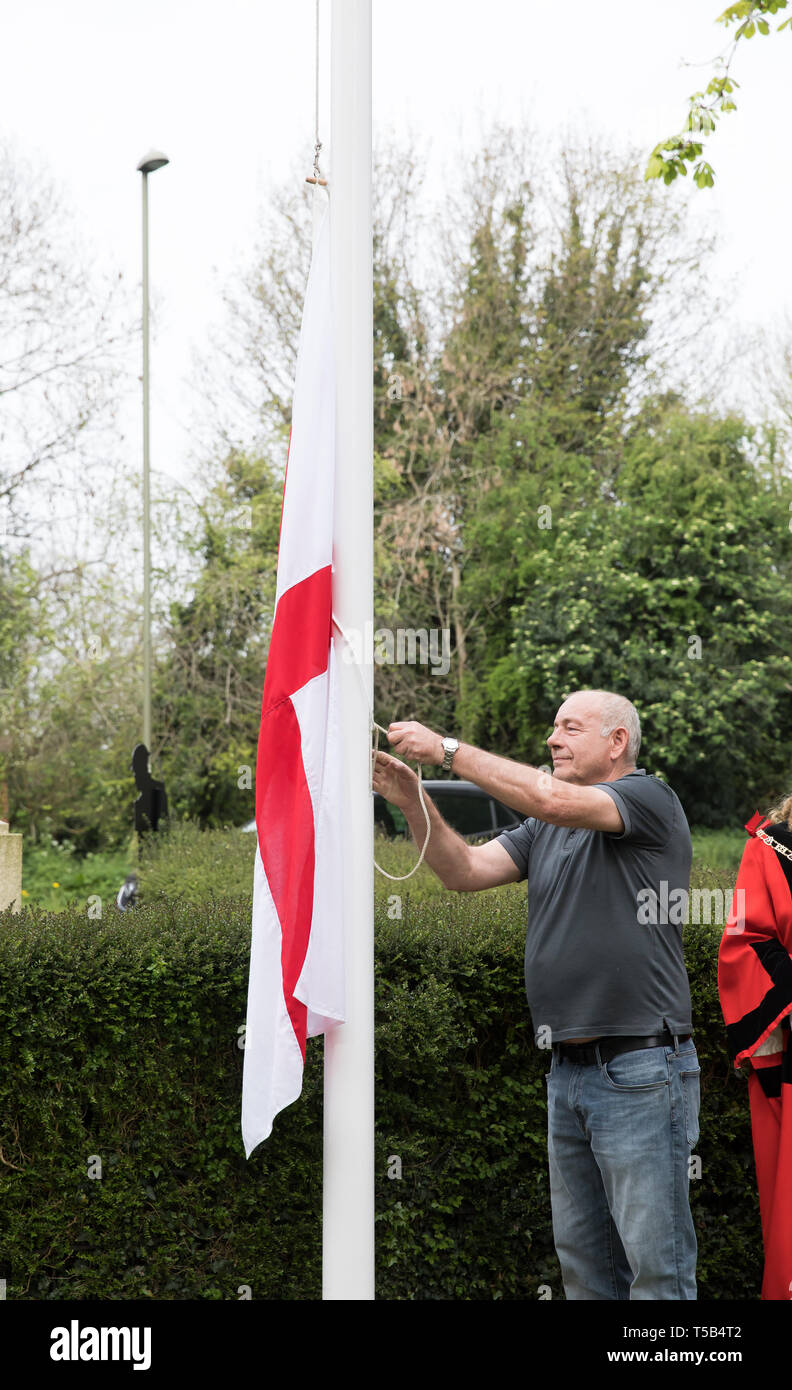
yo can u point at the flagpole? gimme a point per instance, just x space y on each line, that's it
348 1190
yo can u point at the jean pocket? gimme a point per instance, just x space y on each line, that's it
691 1098
644 1070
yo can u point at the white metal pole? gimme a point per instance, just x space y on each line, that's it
348 1197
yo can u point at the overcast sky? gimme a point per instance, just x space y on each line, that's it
226 91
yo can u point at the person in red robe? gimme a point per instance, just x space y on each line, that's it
755 986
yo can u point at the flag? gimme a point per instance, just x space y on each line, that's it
296 981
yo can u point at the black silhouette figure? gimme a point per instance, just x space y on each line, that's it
152 805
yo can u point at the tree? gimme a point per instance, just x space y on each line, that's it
506 362
60 335
670 158
210 675
593 344
675 592
71 706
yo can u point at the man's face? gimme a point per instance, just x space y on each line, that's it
580 753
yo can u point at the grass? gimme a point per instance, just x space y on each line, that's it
197 864
200 864
53 876
719 849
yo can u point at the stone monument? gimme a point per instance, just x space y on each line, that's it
10 869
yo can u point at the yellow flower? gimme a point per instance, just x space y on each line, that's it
25 893
56 885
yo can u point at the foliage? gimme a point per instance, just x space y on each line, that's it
18 593
60 334
55 878
119 1042
717 849
672 157
189 864
527 330
210 677
195 865
675 591
72 730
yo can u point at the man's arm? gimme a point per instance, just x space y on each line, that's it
461 867
525 789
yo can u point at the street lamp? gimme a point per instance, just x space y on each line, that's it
152 161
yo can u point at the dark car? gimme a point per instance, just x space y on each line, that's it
473 813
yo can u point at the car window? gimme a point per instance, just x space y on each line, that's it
470 815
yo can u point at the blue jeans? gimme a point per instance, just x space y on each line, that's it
619 1136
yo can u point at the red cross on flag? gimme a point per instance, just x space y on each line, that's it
296 981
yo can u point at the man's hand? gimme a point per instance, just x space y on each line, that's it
415 741
460 867
395 781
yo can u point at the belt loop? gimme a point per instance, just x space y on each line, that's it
676 1044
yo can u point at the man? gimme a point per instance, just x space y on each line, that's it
606 988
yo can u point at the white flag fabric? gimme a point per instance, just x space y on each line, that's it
296 981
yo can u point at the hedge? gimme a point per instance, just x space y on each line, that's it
120 1046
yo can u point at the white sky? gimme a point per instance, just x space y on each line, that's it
226 91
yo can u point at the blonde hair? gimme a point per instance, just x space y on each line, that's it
782 811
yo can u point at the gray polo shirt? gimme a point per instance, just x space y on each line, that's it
594 965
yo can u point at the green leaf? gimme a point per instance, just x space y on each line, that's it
655 167
704 176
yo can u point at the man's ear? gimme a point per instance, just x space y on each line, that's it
620 744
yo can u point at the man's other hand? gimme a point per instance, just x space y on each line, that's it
395 781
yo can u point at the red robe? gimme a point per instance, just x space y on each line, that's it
755 984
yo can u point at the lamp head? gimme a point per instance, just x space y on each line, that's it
155 159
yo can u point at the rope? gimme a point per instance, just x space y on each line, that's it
317 177
375 730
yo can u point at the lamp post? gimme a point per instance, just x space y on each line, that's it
152 161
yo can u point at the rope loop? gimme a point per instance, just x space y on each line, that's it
375 730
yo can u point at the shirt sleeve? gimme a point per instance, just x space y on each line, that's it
518 843
647 808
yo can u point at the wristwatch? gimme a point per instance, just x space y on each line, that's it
450 746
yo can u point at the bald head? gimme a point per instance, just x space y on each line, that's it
596 737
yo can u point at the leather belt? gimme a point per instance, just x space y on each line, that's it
585 1054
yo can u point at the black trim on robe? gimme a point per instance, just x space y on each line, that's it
777 963
783 834
771 1079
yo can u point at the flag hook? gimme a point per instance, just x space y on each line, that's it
317 174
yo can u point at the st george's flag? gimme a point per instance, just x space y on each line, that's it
296 981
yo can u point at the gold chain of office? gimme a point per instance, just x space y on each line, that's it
774 844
